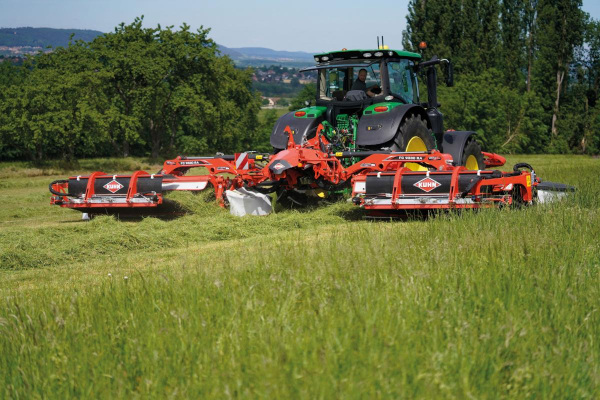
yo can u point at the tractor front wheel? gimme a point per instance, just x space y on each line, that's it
414 136
472 156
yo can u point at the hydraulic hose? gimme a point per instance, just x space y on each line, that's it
54 192
469 187
518 166
495 174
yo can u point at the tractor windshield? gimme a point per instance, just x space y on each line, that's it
403 80
373 75
335 82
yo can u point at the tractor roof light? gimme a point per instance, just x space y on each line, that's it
381 109
378 54
422 45
317 59
324 58
300 113
367 55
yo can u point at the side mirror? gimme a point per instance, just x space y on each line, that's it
449 74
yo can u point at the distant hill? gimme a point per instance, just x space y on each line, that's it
232 53
43 37
31 40
257 56
262 52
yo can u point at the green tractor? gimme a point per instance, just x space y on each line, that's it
380 110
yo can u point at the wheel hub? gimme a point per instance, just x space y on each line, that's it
471 163
415 144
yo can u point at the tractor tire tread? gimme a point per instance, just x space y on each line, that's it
473 148
413 125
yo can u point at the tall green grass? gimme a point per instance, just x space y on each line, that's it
315 304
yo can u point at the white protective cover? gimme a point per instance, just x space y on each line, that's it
247 202
548 196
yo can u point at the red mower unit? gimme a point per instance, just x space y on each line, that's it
367 135
381 181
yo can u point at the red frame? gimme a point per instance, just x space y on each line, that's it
87 201
223 174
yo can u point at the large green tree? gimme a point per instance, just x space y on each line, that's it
465 31
513 31
545 53
137 90
561 27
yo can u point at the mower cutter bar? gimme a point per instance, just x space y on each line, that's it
98 191
454 188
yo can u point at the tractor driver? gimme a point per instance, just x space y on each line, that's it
359 84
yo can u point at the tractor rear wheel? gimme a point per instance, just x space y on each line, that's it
414 135
472 156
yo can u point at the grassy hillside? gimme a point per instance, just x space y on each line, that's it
315 304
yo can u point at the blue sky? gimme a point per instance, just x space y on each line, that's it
308 25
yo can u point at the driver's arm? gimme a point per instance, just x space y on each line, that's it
370 92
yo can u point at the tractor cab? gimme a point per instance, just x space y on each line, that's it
382 113
391 81
392 78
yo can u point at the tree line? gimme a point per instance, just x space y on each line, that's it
527 79
135 91
527 71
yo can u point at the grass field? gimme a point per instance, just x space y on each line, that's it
314 304
280 111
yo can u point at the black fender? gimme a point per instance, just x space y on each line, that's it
380 128
454 143
300 127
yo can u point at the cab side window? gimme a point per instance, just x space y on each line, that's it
402 79
332 83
